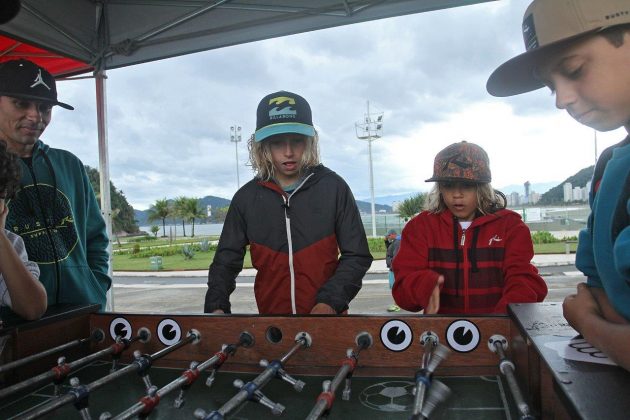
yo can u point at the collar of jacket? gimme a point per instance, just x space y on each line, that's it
314 175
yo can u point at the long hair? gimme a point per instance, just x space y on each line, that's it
489 200
9 172
262 163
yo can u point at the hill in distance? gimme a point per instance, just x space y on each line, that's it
550 195
556 194
540 188
219 202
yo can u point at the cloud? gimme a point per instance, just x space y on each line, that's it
169 121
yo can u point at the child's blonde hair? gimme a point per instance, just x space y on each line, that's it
489 200
262 163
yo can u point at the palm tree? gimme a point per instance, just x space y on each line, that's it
180 211
411 206
193 211
160 211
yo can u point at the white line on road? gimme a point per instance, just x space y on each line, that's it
572 273
203 286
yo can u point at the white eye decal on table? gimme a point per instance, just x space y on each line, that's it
120 327
463 336
396 335
169 332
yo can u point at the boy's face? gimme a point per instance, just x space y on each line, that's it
286 154
591 81
22 122
460 198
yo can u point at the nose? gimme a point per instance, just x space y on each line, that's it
34 112
288 148
565 95
458 191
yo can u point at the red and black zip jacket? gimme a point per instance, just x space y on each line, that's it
309 247
484 268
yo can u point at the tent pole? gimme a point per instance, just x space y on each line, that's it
103 164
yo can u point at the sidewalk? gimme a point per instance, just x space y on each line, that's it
377 267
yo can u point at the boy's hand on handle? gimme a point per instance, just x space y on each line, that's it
577 307
322 308
434 302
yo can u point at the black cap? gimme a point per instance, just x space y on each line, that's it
283 112
26 80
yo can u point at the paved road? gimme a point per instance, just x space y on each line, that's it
175 295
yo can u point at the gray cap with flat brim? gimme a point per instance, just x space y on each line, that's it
548 24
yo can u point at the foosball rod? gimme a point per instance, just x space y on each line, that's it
62 370
302 340
326 398
142 362
147 403
497 344
96 336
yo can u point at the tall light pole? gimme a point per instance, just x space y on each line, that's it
235 137
370 129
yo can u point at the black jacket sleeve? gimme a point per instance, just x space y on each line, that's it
227 262
355 258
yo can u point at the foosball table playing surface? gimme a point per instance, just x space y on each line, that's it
78 363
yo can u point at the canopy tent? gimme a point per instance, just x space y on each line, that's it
108 34
72 37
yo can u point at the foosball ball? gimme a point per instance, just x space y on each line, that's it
77 363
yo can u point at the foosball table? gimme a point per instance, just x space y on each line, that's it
78 363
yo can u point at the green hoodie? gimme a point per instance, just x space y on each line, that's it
56 214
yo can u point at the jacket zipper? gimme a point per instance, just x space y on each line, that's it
462 242
287 223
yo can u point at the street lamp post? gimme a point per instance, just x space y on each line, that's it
235 137
370 129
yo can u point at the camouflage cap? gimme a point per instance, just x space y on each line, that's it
461 161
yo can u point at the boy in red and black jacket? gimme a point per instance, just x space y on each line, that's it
465 253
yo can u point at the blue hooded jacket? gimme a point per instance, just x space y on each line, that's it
56 214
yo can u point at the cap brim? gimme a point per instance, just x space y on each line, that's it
284 128
37 98
452 179
517 75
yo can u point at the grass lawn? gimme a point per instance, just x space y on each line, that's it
202 260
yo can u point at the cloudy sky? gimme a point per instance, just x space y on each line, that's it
169 121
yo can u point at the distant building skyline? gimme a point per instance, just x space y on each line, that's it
571 193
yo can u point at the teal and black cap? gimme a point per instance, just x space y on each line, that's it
283 112
26 80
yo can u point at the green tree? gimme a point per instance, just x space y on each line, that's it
155 229
219 214
179 210
160 211
123 218
191 211
412 205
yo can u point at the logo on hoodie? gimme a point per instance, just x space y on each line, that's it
29 220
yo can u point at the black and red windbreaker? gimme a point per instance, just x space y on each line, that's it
309 247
